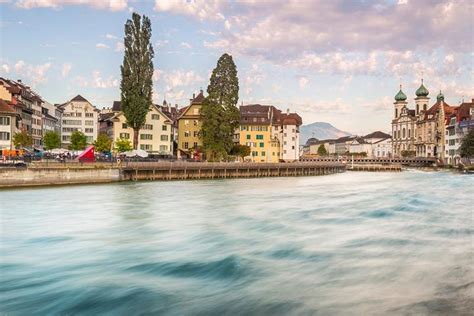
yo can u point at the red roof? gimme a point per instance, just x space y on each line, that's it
6 107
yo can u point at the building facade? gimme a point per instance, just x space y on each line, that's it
155 137
457 127
9 119
189 128
78 115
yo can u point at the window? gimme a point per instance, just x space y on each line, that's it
186 133
125 135
259 136
164 137
254 153
72 122
146 147
70 129
243 128
155 117
195 123
4 120
4 136
163 147
66 138
195 144
89 123
186 122
89 139
263 153
147 126
261 145
146 136
89 130
403 132
248 136
124 125
78 114
196 133
196 111
89 114
185 145
164 127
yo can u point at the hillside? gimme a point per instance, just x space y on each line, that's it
320 130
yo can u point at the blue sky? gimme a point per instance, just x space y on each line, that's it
336 61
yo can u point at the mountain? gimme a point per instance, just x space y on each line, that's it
320 130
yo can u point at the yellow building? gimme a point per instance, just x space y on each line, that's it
257 132
155 137
189 127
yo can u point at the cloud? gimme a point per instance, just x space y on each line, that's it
161 43
186 45
180 78
112 5
303 82
201 9
96 81
6 68
253 76
66 69
119 47
101 46
110 36
36 74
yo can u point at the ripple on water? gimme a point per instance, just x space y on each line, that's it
231 267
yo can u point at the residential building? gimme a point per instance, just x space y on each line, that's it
382 148
172 112
50 121
155 137
457 127
271 135
358 146
189 128
9 119
78 115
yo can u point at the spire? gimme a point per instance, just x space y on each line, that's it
400 96
440 96
422 91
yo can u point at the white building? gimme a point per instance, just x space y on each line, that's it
78 115
359 146
289 135
458 126
8 124
382 148
155 137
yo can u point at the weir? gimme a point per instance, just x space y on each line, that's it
204 170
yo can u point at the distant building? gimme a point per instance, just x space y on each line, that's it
189 127
403 126
155 137
78 115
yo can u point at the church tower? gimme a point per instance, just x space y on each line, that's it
400 102
422 99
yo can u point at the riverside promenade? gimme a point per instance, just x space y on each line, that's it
53 173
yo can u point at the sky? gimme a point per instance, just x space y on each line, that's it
336 61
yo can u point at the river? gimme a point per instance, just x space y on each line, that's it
344 244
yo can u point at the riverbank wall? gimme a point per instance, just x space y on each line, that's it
60 174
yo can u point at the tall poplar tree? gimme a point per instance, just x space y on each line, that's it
137 73
219 112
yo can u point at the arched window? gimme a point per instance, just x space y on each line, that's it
424 107
417 108
396 113
409 133
403 133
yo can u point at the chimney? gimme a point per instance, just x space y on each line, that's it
19 80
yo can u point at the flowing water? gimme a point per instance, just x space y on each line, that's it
345 244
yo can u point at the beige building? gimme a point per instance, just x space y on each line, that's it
155 137
8 124
78 115
189 127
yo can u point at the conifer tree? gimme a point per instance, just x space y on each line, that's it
137 73
219 112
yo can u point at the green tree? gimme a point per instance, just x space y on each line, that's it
51 140
467 145
102 143
219 112
78 141
22 139
137 73
123 145
322 150
240 150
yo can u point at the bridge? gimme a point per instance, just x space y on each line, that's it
410 162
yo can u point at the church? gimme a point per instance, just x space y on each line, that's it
421 131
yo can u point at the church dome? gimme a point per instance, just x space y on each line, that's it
400 96
440 96
422 91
